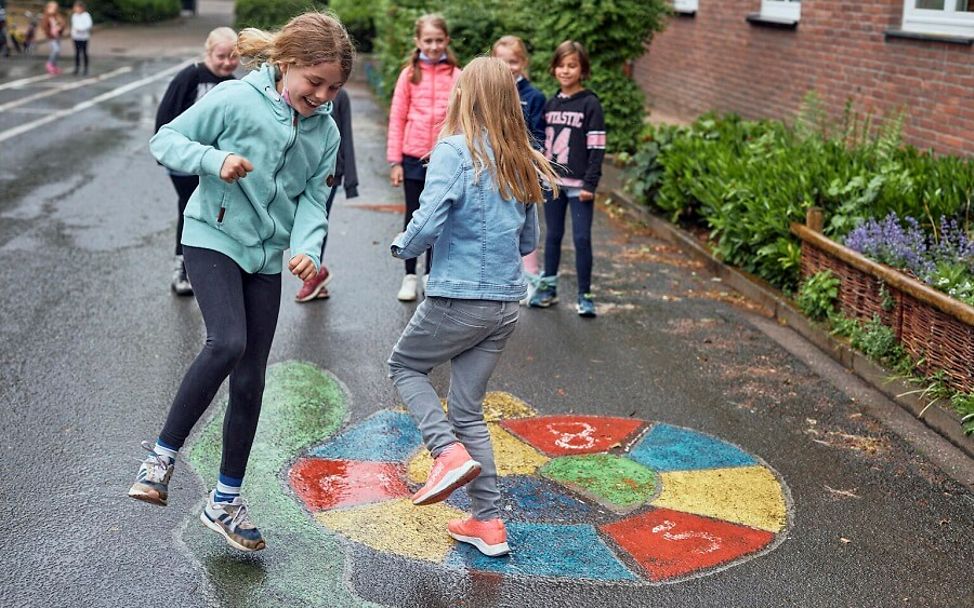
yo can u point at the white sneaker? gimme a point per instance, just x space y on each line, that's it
407 292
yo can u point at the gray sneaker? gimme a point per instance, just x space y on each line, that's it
180 281
152 483
231 521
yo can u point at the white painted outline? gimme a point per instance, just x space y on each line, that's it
65 87
84 105
14 84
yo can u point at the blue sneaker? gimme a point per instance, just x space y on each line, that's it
231 521
546 294
152 483
586 305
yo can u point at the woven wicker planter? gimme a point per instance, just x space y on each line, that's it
934 328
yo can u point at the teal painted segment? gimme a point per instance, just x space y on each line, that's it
385 436
303 564
670 448
610 479
571 552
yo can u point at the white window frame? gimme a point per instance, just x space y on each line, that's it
781 9
933 21
686 6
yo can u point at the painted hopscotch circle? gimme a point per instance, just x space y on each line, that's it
589 498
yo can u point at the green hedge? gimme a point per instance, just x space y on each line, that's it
272 14
134 11
747 180
613 32
359 19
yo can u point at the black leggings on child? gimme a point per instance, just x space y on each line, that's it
185 186
80 48
240 312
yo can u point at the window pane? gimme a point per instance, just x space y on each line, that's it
965 6
936 5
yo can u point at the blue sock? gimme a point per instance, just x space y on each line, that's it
227 488
164 450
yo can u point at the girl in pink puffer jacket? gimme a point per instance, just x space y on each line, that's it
418 110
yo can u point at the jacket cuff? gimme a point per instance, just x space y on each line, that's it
351 191
212 161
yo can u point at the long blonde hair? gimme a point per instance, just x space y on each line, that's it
485 102
434 20
308 39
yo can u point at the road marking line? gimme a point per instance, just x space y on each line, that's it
13 84
84 105
64 87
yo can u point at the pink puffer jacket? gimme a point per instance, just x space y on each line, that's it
418 110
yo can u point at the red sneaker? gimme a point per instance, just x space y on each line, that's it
315 286
490 537
451 469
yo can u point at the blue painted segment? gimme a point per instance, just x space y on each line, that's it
671 448
385 436
530 499
574 552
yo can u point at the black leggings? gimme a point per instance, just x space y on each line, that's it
240 311
185 185
80 48
412 188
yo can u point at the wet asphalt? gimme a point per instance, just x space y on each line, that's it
94 345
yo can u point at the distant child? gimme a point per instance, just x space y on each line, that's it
345 170
511 50
81 33
265 149
480 209
4 48
189 86
53 25
575 140
415 117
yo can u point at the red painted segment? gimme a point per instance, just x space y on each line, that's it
568 435
330 484
670 544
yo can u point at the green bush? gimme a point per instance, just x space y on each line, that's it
134 11
359 19
818 295
272 14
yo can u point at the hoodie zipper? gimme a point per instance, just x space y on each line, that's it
290 143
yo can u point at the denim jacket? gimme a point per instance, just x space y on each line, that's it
479 237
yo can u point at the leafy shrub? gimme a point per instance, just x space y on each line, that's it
135 11
818 295
272 14
359 19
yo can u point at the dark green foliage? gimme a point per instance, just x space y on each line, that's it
133 11
818 295
358 16
272 14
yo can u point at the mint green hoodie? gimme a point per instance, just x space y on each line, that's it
281 203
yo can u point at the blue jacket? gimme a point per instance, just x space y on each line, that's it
281 203
532 104
479 237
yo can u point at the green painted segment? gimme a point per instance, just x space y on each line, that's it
303 564
607 478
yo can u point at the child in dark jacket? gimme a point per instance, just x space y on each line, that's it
575 140
345 170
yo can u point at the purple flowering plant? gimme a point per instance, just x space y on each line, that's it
943 259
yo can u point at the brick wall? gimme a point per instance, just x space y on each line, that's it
718 61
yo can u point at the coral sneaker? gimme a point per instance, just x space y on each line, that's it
452 468
315 286
490 537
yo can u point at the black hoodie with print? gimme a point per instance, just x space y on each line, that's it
575 138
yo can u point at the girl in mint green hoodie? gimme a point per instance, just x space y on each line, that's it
264 148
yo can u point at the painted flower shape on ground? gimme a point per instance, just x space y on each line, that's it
592 498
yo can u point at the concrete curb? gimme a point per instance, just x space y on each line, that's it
945 422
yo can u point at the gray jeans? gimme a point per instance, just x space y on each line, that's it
471 334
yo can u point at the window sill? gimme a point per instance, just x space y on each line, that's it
775 22
963 40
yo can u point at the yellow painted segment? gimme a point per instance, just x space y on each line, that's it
511 456
499 405
750 496
397 527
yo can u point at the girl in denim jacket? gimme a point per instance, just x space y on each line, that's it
479 207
